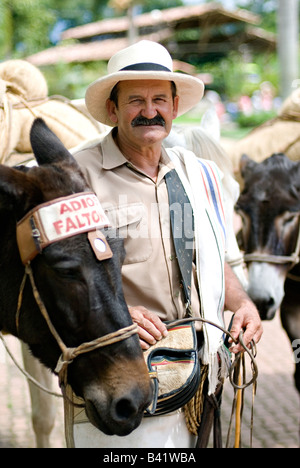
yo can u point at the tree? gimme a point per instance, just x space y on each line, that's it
131 6
25 26
288 49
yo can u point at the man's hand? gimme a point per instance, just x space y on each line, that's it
246 317
150 328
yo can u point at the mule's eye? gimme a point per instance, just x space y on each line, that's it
289 218
66 270
287 223
66 273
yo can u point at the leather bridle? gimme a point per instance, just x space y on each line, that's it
35 232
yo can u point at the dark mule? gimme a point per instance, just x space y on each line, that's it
270 209
82 295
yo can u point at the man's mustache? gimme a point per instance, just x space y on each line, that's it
143 121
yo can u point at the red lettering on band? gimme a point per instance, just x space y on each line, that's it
64 208
58 225
76 205
70 225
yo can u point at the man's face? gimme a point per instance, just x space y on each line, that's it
145 111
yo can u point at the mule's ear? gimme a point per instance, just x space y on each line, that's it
246 165
47 147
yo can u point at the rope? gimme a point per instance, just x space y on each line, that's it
278 259
68 354
7 107
20 101
294 258
239 387
194 408
23 371
293 277
236 261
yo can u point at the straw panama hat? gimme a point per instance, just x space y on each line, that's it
145 60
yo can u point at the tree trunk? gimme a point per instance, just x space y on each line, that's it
288 37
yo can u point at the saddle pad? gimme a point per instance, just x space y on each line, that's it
173 365
164 357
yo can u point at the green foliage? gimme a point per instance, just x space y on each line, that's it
71 80
25 26
255 119
149 5
233 77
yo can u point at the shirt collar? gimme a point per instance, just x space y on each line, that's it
113 158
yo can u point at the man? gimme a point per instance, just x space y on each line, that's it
140 97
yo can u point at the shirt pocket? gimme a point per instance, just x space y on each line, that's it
131 220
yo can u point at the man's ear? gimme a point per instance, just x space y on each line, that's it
111 110
175 106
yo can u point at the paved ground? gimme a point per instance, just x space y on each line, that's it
277 410
276 418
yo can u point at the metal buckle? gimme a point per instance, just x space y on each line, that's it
36 235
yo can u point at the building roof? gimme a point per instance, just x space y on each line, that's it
212 23
179 17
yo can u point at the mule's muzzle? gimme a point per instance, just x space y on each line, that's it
120 415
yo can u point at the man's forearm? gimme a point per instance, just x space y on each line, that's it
235 294
246 316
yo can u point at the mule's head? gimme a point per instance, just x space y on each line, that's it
83 295
269 207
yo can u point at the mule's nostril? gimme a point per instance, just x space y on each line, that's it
265 307
125 409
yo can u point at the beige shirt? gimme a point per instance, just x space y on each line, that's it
139 207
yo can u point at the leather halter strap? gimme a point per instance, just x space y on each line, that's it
58 219
293 259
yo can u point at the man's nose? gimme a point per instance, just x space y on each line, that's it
149 110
